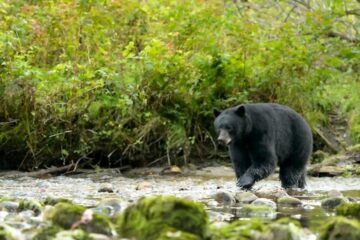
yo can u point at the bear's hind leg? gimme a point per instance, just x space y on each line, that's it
292 177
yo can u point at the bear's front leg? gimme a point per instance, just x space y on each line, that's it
240 159
263 164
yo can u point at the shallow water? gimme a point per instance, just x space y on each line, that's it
199 185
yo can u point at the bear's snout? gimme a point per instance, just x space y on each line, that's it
224 137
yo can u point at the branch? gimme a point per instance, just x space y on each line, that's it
39 173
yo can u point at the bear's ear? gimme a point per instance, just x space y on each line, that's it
240 110
216 112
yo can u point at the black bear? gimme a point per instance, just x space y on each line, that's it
261 136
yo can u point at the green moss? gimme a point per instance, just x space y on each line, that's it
242 230
53 201
261 211
151 215
173 234
77 234
349 209
288 231
47 232
4 235
287 220
66 214
341 228
30 205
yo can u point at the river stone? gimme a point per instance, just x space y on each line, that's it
224 198
341 228
288 201
334 193
331 203
109 207
272 193
245 197
290 231
264 202
9 206
96 236
256 211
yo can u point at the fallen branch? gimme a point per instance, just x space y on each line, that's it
39 173
342 37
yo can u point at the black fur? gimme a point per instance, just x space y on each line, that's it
264 135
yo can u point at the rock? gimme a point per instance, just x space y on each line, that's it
319 170
53 201
172 170
76 234
48 232
143 185
106 189
10 233
171 233
288 201
245 197
96 236
290 231
30 205
331 203
334 193
9 206
151 216
264 202
349 210
259 211
224 198
109 207
252 229
340 228
273 193
71 216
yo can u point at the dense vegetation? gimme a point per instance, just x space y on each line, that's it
124 80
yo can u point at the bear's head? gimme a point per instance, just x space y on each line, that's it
230 124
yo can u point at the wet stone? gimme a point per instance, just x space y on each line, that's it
106 190
331 203
288 201
9 206
272 193
245 197
334 193
264 202
225 198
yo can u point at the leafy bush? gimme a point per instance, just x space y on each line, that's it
119 81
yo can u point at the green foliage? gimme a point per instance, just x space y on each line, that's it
136 81
154 217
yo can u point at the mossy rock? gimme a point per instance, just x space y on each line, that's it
4 235
66 214
332 202
47 232
53 201
253 229
259 211
99 224
173 234
288 201
288 231
340 228
30 205
77 234
151 215
9 233
349 210
287 220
